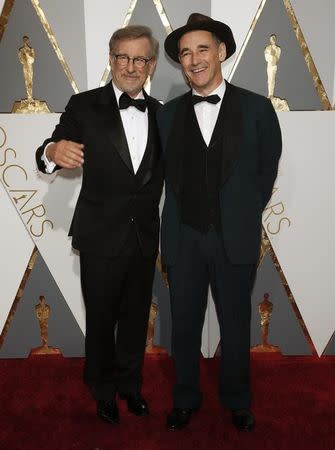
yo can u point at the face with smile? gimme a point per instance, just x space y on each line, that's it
200 56
129 77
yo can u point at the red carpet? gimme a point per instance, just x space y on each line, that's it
45 406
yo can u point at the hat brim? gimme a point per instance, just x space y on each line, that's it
220 29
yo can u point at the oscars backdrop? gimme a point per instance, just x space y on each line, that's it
50 50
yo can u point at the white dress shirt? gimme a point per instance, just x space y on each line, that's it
207 113
135 124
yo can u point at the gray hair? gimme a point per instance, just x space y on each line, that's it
135 32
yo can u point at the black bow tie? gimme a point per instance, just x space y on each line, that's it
210 98
125 101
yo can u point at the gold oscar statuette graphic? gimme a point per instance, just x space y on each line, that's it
263 249
150 347
272 54
42 311
28 105
265 309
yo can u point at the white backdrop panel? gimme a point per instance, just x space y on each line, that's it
45 203
16 247
303 218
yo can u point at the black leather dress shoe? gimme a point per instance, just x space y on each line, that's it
243 419
108 411
136 404
178 418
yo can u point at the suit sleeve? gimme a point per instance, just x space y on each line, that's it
161 127
270 150
68 128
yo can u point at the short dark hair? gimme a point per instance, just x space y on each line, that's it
135 32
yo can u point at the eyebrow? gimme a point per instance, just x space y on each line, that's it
126 54
199 47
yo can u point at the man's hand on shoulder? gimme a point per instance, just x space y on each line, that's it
66 154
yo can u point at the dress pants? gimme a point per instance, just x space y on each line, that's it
202 261
117 294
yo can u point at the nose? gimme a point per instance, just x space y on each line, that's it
195 59
130 65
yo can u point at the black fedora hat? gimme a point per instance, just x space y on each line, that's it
198 21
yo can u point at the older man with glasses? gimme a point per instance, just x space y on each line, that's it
111 133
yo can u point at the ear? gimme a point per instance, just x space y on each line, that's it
222 51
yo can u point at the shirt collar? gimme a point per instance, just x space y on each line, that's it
220 91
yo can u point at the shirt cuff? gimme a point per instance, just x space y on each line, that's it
49 165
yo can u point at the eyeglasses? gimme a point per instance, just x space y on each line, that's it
138 61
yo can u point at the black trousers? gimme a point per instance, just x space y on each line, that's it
202 262
117 294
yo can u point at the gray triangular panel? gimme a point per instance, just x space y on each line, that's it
49 81
178 12
67 21
162 336
293 82
285 330
330 349
24 332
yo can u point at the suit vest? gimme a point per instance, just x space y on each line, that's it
201 178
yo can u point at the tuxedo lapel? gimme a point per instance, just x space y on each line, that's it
152 152
176 142
116 131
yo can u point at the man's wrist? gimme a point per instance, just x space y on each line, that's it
49 164
47 153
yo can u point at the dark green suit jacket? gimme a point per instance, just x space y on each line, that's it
248 130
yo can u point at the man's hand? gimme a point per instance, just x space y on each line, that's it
66 154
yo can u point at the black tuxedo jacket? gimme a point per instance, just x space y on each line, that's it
112 198
248 130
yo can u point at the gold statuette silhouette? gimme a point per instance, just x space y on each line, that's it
42 311
265 309
150 347
272 54
28 105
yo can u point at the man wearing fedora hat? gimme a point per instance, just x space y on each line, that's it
221 146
